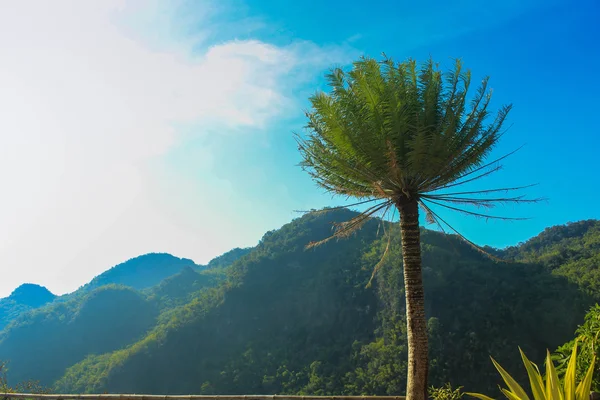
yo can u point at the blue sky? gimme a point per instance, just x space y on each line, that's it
540 56
137 126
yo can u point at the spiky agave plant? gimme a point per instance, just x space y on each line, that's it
552 389
401 137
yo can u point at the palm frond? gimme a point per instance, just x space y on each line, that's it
475 214
399 130
485 191
464 239
329 209
437 185
431 218
482 202
381 261
345 229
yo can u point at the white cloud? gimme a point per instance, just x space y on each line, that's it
91 91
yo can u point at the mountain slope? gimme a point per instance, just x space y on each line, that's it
254 309
31 295
571 250
141 272
43 343
24 298
228 258
181 288
92 321
294 321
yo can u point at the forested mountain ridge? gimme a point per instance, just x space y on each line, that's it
41 343
232 324
141 272
281 319
24 298
228 258
181 288
288 320
557 243
571 250
31 295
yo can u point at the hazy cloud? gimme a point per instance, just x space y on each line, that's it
92 91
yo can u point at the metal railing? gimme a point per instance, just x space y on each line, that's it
185 397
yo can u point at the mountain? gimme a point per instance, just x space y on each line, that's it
281 319
287 320
31 295
141 272
571 250
138 273
180 288
228 258
24 298
41 344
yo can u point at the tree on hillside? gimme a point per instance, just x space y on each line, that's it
23 387
3 381
400 136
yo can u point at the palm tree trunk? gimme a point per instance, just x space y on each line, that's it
418 363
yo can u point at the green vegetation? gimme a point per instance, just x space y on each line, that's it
587 337
552 388
281 319
226 259
446 392
402 137
141 272
44 342
25 298
289 321
571 250
181 288
22 387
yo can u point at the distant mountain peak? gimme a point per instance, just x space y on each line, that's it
143 271
163 256
32 295
228 258
554 236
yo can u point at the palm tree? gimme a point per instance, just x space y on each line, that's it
398 136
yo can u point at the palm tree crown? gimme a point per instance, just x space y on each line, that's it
392 131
